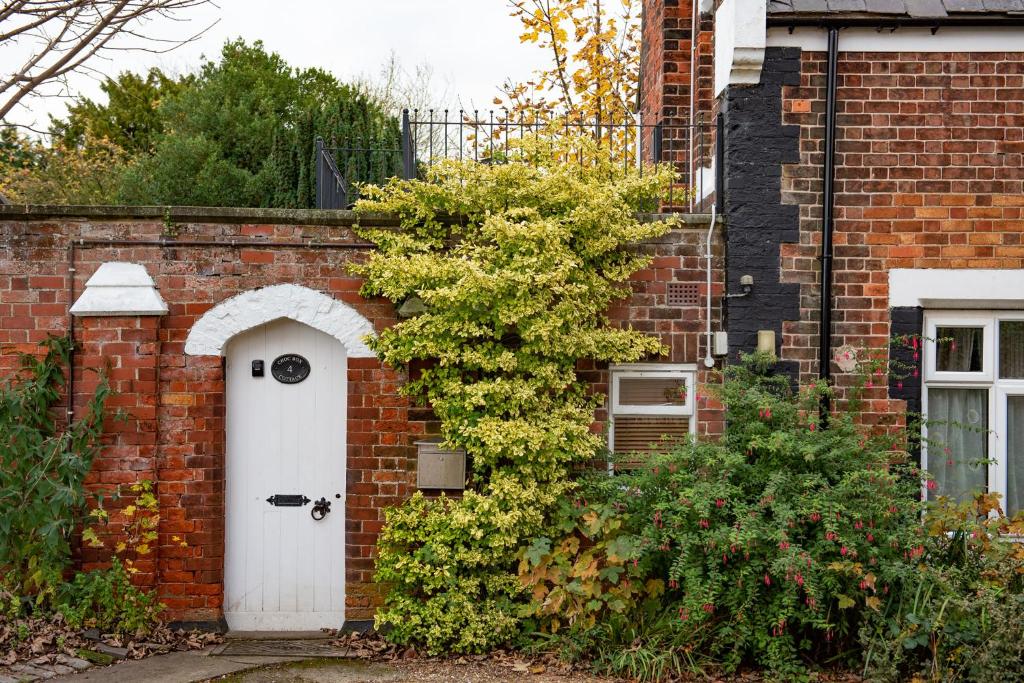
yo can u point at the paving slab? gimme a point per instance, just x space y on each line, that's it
176 667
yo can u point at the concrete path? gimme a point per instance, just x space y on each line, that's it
199 667
176 667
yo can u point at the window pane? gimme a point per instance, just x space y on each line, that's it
1014 454
652 391
1011 349
959 349
958 441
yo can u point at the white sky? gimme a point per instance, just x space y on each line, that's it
472 45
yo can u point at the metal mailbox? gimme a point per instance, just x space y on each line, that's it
439 468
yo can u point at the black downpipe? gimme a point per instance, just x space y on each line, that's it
827 221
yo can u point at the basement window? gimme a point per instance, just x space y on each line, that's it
973 402
651 409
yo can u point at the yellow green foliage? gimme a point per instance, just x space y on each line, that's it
33 173
516 264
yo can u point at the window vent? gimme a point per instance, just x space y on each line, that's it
640 437
683 294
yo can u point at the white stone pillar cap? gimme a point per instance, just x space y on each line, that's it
119 289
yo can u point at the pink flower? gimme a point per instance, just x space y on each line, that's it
811 426
719 503
783 545
870 537
858 524
932 484
767 580
709 607
704 524
799 579
899 384
843 551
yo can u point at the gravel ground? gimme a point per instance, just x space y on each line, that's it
423 671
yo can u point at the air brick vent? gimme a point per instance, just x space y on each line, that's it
683 294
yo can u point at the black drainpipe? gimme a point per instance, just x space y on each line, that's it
828 199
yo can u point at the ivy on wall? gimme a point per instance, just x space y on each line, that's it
516 264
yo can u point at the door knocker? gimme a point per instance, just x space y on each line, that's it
320 509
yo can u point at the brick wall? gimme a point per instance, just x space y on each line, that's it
929 174
175 403
667 87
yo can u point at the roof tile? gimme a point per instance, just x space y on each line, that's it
926 8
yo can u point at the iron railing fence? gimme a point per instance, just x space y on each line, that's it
434 135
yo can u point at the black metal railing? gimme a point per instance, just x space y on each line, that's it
428 137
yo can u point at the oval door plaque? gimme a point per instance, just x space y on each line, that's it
291 368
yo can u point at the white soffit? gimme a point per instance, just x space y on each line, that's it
905 39
968 288
740 39
117 289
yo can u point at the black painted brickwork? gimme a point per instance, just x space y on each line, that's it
904 321
756 147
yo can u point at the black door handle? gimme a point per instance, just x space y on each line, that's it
320 509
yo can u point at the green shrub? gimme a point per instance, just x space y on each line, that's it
775 541
515 265
959 619
42 470
107 600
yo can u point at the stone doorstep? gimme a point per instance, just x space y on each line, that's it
277 635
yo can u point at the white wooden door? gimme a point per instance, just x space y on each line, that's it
283 569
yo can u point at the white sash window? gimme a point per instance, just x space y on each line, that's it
974 404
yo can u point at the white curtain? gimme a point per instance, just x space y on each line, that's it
1014 454
957 441
959 349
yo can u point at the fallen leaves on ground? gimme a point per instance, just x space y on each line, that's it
40 638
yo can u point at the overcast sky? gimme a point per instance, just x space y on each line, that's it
472 45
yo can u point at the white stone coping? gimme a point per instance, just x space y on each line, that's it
119 289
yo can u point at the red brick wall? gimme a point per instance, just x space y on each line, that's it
669 82
928 175
175 404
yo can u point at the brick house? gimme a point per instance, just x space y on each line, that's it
874 146
234 337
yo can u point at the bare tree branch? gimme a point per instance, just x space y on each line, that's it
60 36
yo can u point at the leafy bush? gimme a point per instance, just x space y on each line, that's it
959 618
33 173
42 469
516 265
775 541
107 600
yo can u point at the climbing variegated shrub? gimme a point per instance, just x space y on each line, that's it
515 265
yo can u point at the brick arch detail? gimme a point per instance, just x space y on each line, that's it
211 333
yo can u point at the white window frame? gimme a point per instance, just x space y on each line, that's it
997 389
960 319
660 371
685 371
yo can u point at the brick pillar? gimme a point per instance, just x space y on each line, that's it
118 333
127 350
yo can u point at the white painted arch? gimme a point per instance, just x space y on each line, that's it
211 333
